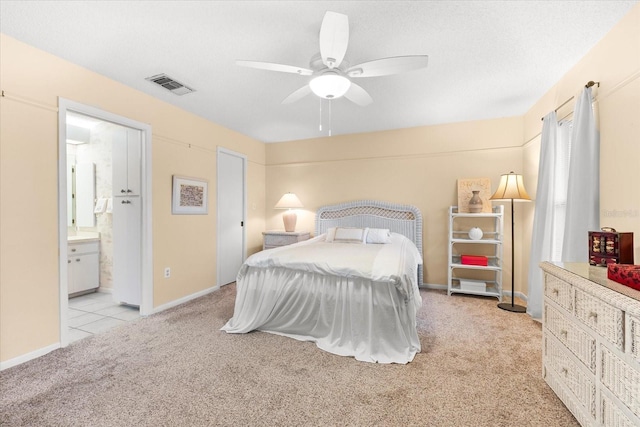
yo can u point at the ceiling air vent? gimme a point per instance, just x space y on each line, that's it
170 84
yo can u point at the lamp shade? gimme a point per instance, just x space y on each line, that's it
330 85
288 201
511 187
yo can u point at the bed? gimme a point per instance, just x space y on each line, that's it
355 299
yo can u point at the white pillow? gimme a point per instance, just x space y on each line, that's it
331 233
378 236
348 235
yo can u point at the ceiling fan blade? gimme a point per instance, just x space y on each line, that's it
270 66
297 95
358 95
388 66
334 38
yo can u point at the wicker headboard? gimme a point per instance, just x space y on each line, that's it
402 219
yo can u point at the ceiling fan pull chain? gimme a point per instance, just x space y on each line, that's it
330 102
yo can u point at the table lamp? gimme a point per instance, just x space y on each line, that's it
289 201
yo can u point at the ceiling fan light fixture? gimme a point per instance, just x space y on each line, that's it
330 85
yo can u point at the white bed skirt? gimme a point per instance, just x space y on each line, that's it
348 316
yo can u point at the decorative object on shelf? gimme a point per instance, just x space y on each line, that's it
289 201
466 190
190 196
628 275
609 246
475 202
474 260
475 233
511 187
472 285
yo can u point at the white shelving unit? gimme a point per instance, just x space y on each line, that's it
490 245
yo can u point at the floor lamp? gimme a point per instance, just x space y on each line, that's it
511 188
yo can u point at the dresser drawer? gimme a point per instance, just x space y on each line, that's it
575 379
559 388
633 344
622 380
574 338
601 317
83 248
558 291
613 416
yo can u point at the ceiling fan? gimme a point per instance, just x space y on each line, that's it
331 75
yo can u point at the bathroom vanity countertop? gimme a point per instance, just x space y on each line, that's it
83 237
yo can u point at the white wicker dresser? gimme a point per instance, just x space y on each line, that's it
591 344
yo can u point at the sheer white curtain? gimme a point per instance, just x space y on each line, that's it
583 187
548 220
567 196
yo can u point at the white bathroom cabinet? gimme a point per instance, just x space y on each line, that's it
83 260
126 157
127 216
127 262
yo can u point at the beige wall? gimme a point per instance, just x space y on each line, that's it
183 144
417 166
615 63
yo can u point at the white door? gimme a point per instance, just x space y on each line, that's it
231 214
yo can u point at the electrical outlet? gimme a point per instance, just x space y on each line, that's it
167 272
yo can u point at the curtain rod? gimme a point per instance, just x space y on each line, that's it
589 84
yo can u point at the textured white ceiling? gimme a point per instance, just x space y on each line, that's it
487 59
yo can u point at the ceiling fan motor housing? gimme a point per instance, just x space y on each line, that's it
331 84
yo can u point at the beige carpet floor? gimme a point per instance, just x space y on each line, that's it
479 366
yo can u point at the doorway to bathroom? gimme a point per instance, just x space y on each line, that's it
105 217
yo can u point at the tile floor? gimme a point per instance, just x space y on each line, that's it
96 312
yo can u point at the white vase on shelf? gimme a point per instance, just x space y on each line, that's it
475 233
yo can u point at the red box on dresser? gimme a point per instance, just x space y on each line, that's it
609 246
628 275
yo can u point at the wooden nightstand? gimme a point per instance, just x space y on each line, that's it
276 238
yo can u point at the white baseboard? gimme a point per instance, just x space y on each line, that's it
29 356
444 287
433 286
182 300
518 295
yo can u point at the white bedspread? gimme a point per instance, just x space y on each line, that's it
350 299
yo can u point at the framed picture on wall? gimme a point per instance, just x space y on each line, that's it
189 196
467 186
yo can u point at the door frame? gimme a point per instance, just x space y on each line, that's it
64 106
219 242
